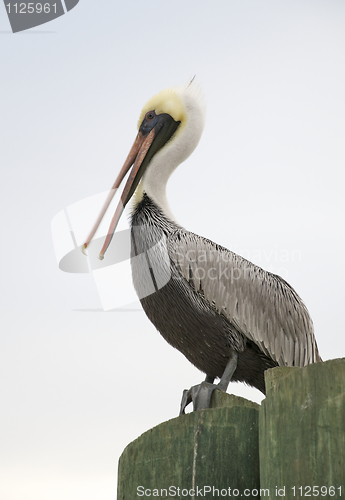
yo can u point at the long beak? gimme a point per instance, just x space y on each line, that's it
135 157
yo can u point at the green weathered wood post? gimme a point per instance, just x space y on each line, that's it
194 453
302 432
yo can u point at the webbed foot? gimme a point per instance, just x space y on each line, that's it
200 395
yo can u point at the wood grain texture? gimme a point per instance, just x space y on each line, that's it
215 447
302 428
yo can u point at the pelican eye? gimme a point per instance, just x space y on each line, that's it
150 115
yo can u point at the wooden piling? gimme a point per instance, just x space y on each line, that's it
293 446
302 431
214 448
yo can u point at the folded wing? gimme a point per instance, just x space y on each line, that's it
260 305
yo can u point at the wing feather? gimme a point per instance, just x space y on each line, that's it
260 305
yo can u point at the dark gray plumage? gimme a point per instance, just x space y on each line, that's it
205 315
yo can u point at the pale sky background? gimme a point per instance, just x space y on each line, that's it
267 181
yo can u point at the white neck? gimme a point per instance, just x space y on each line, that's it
175 151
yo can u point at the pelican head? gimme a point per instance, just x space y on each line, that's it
169 129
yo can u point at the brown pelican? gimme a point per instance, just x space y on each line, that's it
229 317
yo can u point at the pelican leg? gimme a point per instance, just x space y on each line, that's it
201 394
228 372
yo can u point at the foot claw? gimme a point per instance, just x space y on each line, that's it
186 399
